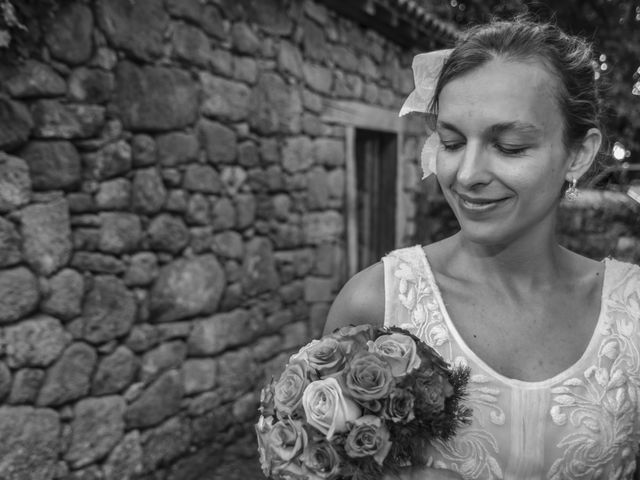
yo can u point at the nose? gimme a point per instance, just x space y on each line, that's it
473 167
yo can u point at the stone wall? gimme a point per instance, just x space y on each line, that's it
171 226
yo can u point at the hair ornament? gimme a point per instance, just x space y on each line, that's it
426 69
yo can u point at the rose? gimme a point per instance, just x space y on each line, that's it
325 356
326 408
368 377
286 439
434 391
399 407
368 437
287 392
355 337
321 460
399 351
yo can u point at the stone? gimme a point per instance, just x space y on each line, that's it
198 375
46 235
19 294
109 310
53 165
312 125
142 270
35 342
281 206
259 267
318 289
224 99
164 357
92 472
119 232
16 124
33 79
297 154
207 16
198 210
318 78
69 33
143 150
322 226
148 191
191 44
275 106
52 119
114 194
172 177
165 443
223 214
329 152
248 155
314 41
245 205
245 69
155 98
158 401
228 244
236 373
136 27
244 39
221 62
271 17
110 161
201 178
115 372
143 337
97 263
35 431
91 85
186 288
168 233
10 243
336 183
219 141
97 426
290 59
69 377
125 460
318 190
15 183
176 148
26 384
64 297
177 201
220 332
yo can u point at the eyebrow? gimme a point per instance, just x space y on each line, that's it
498 128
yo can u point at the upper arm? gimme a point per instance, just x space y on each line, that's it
360 301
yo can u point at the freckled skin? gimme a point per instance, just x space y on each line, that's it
498 92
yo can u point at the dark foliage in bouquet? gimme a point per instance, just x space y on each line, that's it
357 403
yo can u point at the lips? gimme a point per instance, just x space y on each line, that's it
480 204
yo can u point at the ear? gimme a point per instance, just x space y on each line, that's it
584 154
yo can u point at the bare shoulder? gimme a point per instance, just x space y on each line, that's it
361 300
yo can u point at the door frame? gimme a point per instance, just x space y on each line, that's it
353 115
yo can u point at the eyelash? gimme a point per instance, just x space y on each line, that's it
452 147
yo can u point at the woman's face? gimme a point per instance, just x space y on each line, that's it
501 162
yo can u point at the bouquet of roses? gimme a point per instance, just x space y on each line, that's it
357 403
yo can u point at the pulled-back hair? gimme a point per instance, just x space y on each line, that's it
569 59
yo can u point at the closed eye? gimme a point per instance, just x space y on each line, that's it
451 146
513 150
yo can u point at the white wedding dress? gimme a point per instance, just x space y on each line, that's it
581 424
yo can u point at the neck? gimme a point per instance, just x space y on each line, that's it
534 258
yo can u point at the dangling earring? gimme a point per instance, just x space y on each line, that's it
572 192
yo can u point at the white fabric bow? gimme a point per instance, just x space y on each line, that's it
426 69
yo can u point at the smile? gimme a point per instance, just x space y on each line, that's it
480 204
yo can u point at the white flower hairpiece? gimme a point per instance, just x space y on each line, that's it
426 69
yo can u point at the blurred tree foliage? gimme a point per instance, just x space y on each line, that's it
612 25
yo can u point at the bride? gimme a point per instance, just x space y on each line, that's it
552 337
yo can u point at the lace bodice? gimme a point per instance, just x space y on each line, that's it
583 423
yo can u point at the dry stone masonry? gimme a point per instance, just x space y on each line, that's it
171 226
